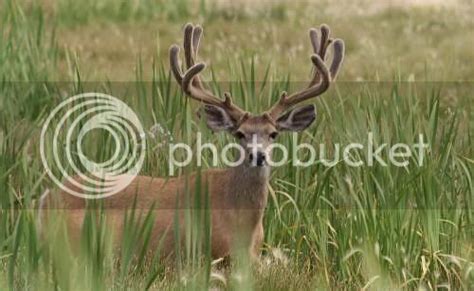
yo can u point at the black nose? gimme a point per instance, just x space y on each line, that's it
259 161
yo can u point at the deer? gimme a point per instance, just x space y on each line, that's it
237 195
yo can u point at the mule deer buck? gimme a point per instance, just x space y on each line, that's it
237 195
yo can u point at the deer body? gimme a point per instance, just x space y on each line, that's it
237 198
237 195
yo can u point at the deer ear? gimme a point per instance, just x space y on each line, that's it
217 119
297 119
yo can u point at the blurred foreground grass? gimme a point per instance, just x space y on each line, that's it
325 227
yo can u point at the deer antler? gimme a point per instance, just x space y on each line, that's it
190 81
322 76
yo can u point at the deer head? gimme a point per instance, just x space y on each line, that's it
224 115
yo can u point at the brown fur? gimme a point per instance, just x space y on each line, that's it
236 212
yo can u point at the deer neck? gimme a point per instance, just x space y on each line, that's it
248 186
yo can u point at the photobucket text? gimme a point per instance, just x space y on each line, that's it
297 154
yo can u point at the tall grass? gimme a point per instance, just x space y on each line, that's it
325 227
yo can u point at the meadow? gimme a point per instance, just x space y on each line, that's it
408 71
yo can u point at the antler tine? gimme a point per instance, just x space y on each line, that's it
174 64
322 76
188 45
313 37
192 35
323 45
319 48
338 46
196 92
197 33
190 81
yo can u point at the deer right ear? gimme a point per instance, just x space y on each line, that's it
217 119
297 119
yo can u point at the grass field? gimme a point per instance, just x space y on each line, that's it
408 71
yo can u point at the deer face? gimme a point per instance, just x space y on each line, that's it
256 133
285 115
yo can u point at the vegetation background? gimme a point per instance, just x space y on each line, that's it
408 71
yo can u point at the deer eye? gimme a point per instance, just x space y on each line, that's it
239 135
273 135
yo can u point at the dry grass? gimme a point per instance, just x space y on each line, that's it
419 41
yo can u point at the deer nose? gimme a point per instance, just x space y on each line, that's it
259 160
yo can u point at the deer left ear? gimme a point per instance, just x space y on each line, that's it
297 119
217 119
